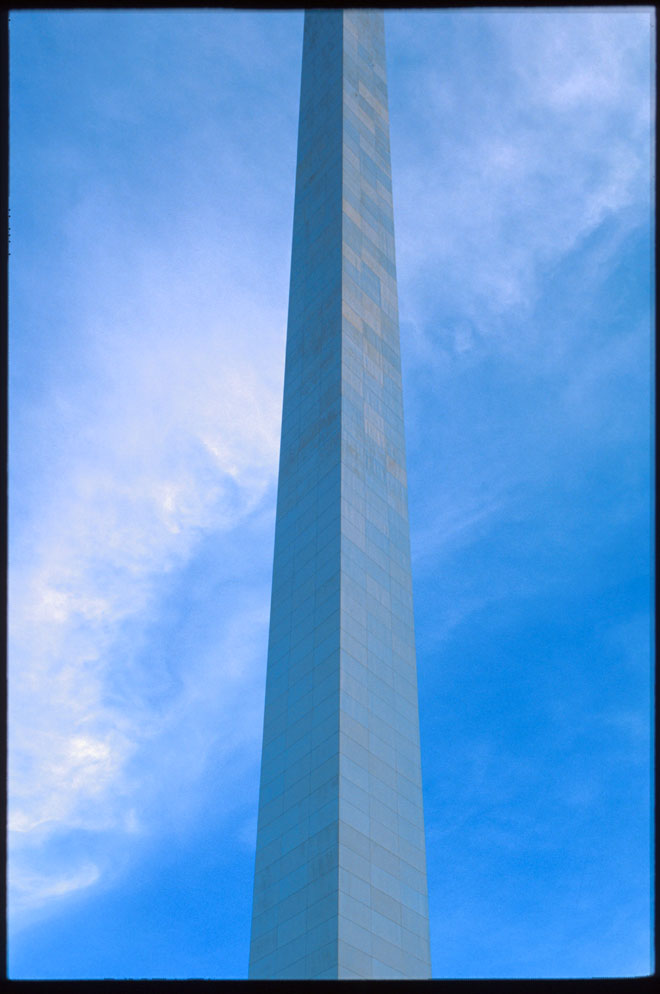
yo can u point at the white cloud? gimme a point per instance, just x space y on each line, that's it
34 888
170 433
500 175
149 422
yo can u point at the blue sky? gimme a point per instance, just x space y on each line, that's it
152 178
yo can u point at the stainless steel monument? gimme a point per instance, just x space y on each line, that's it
340 878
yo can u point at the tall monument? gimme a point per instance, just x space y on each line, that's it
340 878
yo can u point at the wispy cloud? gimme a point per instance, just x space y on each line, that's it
172 434
515 189
149 422
529 157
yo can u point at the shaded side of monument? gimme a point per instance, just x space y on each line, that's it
340 878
